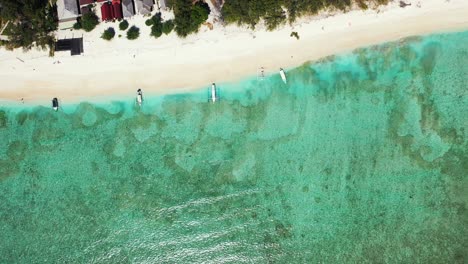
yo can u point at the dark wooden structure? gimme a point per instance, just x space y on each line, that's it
74 45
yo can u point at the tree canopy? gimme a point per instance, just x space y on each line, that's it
31 22
133 33
276 12
189 17
77 26
167 26
89 21
156 25
108 34
123 25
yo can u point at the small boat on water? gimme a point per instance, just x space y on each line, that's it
214 93
139 98
55 104
283 75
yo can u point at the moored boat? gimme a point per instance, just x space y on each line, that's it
214 93
55 104
283 75
139 97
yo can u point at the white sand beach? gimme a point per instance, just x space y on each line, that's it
171 65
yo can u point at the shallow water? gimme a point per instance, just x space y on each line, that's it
360 158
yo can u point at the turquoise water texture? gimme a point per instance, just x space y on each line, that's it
360 158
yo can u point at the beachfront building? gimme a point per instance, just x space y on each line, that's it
74 45
106 11
67 12
144 7
162 4
86 2
128 10
111 10
85 10
117 9
85 6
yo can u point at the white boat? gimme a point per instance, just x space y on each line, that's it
283 75
55 104
139 97
214 93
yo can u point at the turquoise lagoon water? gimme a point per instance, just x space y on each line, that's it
360 158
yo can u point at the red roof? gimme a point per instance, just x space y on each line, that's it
106 12
117 10
111 9
86 2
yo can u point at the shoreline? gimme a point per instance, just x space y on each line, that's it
171 65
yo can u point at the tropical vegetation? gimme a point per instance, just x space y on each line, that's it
29 23
89 21
156 25
167 26
133 33
277 12
77 25
108 34
123 25
189 17
32 22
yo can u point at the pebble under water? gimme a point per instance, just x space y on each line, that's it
360 158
